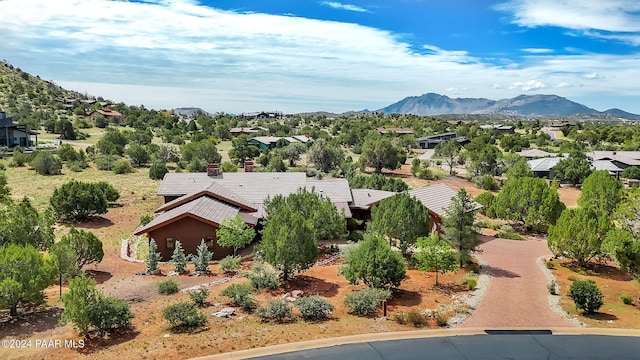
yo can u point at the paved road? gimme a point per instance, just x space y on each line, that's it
534 347
517 294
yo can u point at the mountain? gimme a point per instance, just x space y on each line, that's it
523 105
189 112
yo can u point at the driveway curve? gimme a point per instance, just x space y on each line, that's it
517 294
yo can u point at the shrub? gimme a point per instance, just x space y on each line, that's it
153 257
262 276
626 299
442 320
199 297
400 318
157 170
470 282
507 232
416 319
122 166
586 295
553 289
111 314
240 294
183 316
365 302
179 258
276 309
550 265
314 307
485 182
202 257
105 162
46 163
485 199
230 263
167 287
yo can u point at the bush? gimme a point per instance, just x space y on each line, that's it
105 162
553 289
122 166
507 232
46 163
470 281
485 182
417 319
276 309
202 257
442 320
365 302
157 170
183 316
586 295
626 299
550 265
485 199
153 257
230 263
199 297
167 287
111 314
263 276
314 307
240 294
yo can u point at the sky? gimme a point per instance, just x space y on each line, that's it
312 55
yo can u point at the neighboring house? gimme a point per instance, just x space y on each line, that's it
12 135
269 142
505 129
108 113
365 199
263 115
543 167
437 198
621 159
197 203
534 154
430 142
246 130
399 131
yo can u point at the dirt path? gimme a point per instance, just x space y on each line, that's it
517 294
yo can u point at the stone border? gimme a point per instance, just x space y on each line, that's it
554 300
476 297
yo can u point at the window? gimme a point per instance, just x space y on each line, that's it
209 241
171 242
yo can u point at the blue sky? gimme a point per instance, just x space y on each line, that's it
304 55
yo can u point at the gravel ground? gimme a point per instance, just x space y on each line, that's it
472 300
554 300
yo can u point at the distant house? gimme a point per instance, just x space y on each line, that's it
505 129
399 131
365 199
246 130
534 154
430 142
108 113
437 198
621 159
12 135
543 167
270 142
263 115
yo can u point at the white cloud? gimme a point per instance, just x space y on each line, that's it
562 85
341 6
537 50
177 53
527 85
591 75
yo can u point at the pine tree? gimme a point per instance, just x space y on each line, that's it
459 229
202 258
179 258
154 257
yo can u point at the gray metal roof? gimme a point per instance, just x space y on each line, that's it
365 198
630 158
436 198
544 164
605 165
534 153
215 190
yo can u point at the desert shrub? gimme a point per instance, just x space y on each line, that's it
552 287
276 309
470 281
442 320
550 265
19 158
230 263
78 165
365 302
485 199
346 251
626 299
122 166
262 276
314 307
202 257
400 318
417 319
46 163
485 182
507 232
157 170
183 316
240 294
111 314
199 297
167 287
105 162
586 295
146 218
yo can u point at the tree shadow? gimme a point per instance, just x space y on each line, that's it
602 270
600 316
96 222
29 323
311 286
405 298
96 343
99 276
500 272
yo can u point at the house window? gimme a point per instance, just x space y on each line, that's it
209 241
171 243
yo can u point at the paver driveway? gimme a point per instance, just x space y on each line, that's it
517 294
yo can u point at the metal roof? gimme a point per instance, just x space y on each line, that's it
436 198
544 164
365 198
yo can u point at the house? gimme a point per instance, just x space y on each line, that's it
430 142
197 203
110 114
246 130
12 135
543 167
505 129
437 198
263 115
365 199
270 142
534 154
399 130
621 159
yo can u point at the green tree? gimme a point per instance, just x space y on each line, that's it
202 257
375 264
87 246
179 258
578 234
519 170
377 182
459 225
5 191
325 156
288 241
64 260
79 302
46 163
138 155
76 200
400 217
600 193
24 274
327 222
157 170
22 224
233 232
112 142
623 248
449 150
586 295
381 153
242 150
529 201
153 257
631 172
293 151
435 255
575 168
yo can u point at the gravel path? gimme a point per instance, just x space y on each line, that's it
516 293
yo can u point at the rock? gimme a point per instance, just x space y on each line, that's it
203 273
289 299
297 293
293 295
172 273
155 272
167 335
224 313
141 273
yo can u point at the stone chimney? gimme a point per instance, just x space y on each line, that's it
248 166
213 169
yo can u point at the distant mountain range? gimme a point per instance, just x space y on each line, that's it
523 105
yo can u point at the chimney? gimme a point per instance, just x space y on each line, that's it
248 166
213 169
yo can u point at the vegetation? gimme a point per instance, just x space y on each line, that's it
275 309
179 258
167 287
449 150
202 257
240 294
184 316
578 234
23 224
377 182
76 200
262 276
233 232
600 193
87 247
435 255
46 163
365 302
375 264
459 227
199 297
230 263
586 295
574 169
153 257
325 156
314 307
380 153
